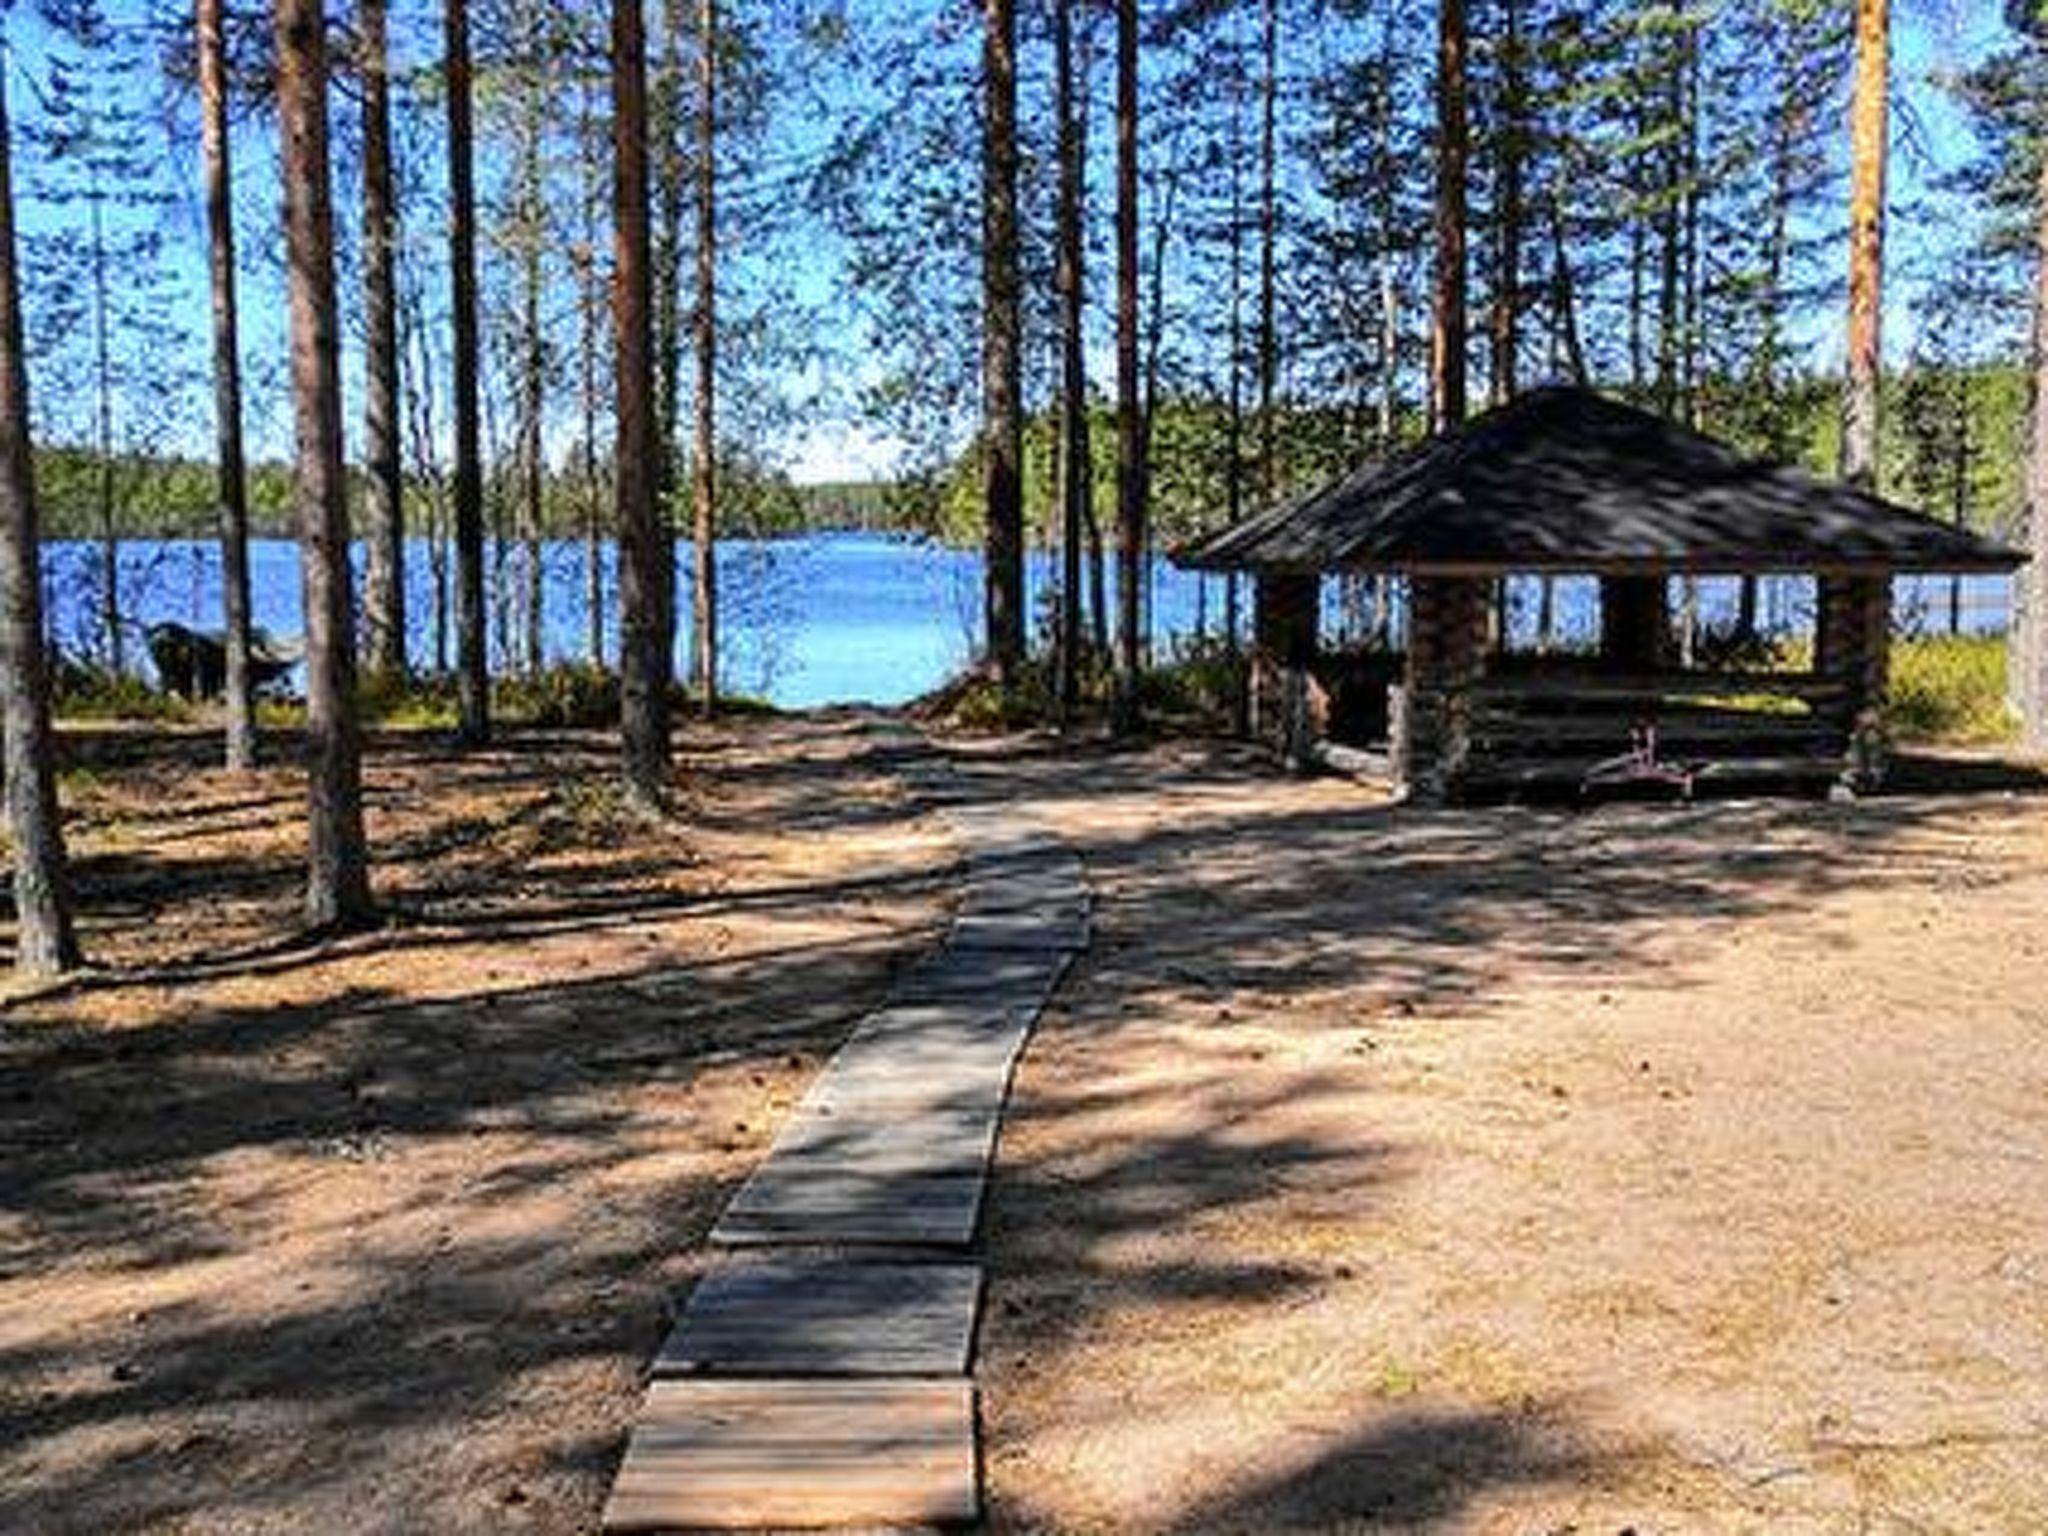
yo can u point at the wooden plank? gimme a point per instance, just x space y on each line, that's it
1026 931
827 1318
797 1201
936 1139
991 976
733 1455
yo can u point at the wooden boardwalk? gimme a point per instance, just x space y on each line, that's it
820 1374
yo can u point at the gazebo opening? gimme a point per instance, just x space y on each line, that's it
1523 599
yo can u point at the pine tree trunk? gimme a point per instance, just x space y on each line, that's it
533 359
1130 466
1075 462
338 884
704 486
238 690
2030 642
1269 236
643 648
1868 125
44 941
590 303
384 563
670 194
1507 274
1002 384
1447 330
103 387
473 679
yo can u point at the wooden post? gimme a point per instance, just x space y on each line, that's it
1447 621
1852 645
1284 620
1635 623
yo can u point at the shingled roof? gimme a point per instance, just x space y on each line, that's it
1567 479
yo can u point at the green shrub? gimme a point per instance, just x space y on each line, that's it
1950 688
94 693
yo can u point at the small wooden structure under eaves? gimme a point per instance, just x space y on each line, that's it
1566 481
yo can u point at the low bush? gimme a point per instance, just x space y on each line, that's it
1950 688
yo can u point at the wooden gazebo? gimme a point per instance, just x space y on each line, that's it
1566 482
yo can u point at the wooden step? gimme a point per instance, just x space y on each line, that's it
737 1455
827 1317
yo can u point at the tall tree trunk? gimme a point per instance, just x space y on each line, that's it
1670 253
1447 330
2030 643
1269 234
1868 132
472 651
1001 361
1076 465
643 648
103 388
1130 461
1389 233
338 883
704 484
670 191
239 690
384 564
533 221
1690 205
1507 272
590 304
44 941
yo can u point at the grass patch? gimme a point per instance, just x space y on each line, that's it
1950 688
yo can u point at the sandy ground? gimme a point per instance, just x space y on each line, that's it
1649 1169
377 1236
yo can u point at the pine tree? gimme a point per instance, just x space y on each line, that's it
44 941
338 885
643 648
237 685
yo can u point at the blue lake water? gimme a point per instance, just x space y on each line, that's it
821 619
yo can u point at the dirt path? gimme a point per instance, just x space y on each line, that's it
1655 1169
378 1237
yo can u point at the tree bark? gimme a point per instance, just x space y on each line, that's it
2030 644
1130 461
643 648
590 304
473 679
1447 330
1269 234
704 481
238 691
1507 274
1868 133
338 884
1076 466
384 562
44 941
533 220
1001 360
